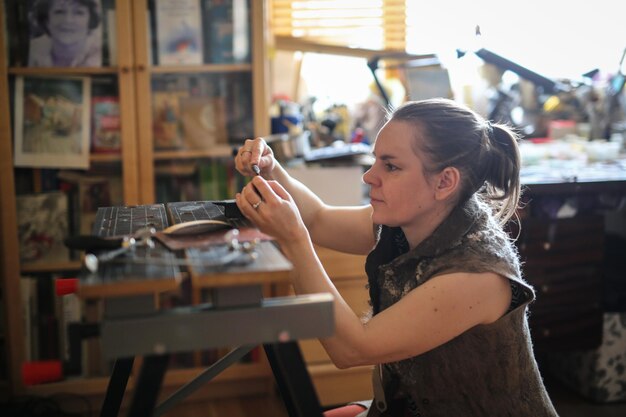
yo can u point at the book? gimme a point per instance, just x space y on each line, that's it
17 35
109 33
42 221
166 119
208 181
179 32
28 293
106 133
47 321
227 31
239 107
203 122
69 311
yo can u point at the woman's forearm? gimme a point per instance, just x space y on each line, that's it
309 277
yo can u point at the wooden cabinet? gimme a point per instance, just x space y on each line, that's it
137 78
563 260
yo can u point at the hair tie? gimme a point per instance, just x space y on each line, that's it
490 133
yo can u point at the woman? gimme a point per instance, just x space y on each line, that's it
69 34
448 333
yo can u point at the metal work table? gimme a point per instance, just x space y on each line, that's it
237 314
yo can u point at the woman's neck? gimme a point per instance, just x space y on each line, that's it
417 233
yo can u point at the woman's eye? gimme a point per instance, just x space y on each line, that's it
390 167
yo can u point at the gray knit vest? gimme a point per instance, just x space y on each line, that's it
490 369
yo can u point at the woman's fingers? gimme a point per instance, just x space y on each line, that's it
253 156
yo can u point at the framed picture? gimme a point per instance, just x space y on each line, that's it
65 33
52 122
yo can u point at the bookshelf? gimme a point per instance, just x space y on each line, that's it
139 167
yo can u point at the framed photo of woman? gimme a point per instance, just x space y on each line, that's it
65 33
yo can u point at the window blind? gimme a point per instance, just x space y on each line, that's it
371 24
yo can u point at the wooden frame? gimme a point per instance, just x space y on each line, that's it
9 261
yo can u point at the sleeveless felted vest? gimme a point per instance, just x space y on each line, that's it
490 369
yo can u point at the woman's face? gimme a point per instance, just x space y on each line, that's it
400 193
68 21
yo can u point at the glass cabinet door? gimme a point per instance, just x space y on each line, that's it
72 110
68 127
196 79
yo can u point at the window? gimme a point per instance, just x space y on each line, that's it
352 28
371 24
555 38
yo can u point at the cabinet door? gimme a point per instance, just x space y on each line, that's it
68 109
201 92
72 115
563 260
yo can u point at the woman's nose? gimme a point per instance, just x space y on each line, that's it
369 177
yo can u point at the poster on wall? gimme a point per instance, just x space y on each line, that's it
52 122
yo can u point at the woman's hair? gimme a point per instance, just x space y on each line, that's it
486 154
41 11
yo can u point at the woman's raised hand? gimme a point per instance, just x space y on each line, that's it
255 152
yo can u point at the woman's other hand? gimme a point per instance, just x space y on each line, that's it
270 207
255 152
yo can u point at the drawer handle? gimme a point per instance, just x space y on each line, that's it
545 288
547 246
546 332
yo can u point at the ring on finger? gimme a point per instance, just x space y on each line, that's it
257 204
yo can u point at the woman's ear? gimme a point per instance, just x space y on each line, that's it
448 182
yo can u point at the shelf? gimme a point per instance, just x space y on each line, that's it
218 151
51 267
167 69
78 385
39 72
174 377
105 157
